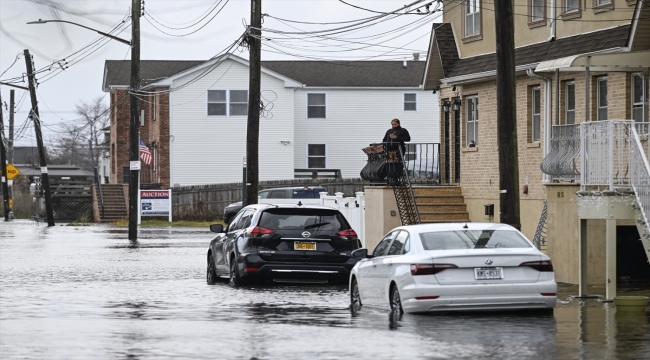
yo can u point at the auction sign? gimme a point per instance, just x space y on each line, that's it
155 203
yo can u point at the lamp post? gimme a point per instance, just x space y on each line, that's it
134 138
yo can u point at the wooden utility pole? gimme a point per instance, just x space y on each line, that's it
10 142
3 166
45 178
134 136
507 114
253 125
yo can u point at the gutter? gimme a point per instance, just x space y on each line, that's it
547 116
552 34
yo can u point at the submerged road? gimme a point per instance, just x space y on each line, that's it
80 292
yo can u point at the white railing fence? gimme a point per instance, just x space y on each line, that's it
353 208
640 176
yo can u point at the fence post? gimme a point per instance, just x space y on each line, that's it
361 210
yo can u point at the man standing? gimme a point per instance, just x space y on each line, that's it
396 136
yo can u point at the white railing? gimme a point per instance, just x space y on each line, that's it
640 176
353 208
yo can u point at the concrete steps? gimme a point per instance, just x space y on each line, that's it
440 204
115 207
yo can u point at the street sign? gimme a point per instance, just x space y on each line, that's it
12 172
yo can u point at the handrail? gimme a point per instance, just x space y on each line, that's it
99 187
640 176
421 165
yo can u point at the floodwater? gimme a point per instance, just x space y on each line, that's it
79 292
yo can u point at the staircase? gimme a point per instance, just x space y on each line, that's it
115 207
440 204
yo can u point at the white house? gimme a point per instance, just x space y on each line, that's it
315 115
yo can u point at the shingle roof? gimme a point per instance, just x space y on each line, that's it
311 73
574 45
446 46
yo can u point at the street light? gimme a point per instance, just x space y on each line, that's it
134 136
85 27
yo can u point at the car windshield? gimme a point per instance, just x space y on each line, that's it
473 239
299 219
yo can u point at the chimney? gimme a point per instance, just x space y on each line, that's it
416 56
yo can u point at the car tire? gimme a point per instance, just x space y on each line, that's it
395 301
235 279
355 297
211 275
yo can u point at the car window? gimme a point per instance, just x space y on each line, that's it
245 220
397 246
263 194
407 246
473 239
303 219
381 248
303 194
278 194
233 223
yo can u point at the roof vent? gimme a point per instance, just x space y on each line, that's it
416 56
404 64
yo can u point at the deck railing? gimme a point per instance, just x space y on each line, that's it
421 162
562 158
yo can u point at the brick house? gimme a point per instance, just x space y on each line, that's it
575 62
195 116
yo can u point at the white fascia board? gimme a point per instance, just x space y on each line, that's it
118 87
419 87
429 54
457 80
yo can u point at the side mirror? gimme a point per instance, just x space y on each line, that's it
361 254
216 228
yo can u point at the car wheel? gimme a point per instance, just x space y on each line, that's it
355 297
235 279
395 301
211 275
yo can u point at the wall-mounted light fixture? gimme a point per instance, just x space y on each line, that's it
445 106
436 89
456 105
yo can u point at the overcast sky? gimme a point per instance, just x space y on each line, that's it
59 91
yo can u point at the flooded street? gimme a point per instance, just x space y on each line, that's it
79 292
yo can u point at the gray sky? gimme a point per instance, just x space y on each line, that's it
59 91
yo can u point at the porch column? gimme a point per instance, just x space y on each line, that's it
582 258
610 258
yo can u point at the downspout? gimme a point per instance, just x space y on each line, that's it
552 17
547 116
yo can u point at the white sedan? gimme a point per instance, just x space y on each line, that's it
453 266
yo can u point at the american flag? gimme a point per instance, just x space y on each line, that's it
145 154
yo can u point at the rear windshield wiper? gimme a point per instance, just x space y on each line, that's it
316 225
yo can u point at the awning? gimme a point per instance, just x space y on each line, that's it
619 61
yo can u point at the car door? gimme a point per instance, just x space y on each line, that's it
220 255
386 268
232 237
368 281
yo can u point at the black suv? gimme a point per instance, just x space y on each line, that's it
283 243
300 192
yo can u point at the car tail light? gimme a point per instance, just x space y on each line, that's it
250 269
430 269
348 234
258 231
545 265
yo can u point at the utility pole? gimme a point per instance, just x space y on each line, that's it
3 160
253 125
10 152
45 179
507 114
134 136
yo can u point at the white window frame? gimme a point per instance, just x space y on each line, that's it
644 97
533 6
566 102
603 2
474 122
227 102
471 10
307 155
404 102
535 120
568 8
600 106
307 105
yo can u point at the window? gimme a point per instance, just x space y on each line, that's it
472 18
381 248
471 115
473 239
154 106
601 98
571 10
316 156
397 247
570 103
227 102
316 106
639 98
263 194
536 112
536 13
410 102
603 5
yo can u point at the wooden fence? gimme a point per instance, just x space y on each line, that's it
206 202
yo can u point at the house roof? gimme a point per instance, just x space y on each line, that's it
55 170
596 41
26 155
310 73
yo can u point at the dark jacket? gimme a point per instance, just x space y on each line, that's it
402 136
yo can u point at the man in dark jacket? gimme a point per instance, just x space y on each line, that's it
395 136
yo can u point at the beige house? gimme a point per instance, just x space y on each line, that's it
576 62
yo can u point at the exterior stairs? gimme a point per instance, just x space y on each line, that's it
440 204
115 206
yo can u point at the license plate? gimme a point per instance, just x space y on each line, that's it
298 245
493 273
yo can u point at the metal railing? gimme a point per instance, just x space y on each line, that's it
421 162
99 190
640 176
561 160
605 148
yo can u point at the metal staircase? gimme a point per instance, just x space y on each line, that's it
408 211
